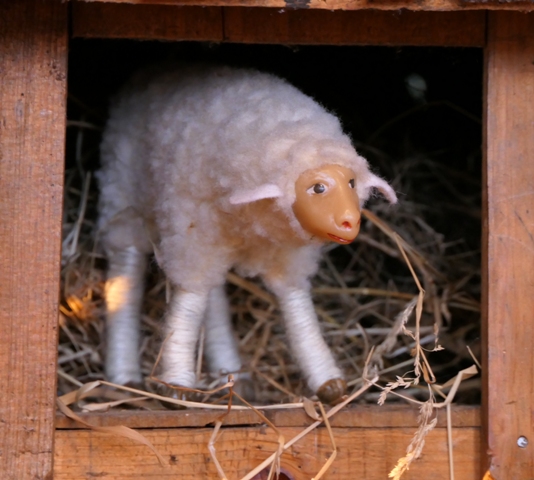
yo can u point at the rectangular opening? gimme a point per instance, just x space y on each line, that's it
414 113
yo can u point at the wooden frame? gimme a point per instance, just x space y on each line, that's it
33 47
508 328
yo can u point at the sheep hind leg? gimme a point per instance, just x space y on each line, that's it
124 294
308 345
220 345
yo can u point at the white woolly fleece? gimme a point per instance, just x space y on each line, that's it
179 145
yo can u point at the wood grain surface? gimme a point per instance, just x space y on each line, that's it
508 383
369 27
430 5
362 453
33 53
353 416
146 22
269 25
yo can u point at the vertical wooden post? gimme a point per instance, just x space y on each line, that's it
33 54
508 387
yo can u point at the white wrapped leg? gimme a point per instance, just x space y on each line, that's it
184 318
124 294
305 338
220 345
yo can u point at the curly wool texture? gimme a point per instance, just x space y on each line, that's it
179 145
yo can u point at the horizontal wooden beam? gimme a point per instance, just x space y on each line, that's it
360 416
368 453
369 27
146 22
428 5
268 25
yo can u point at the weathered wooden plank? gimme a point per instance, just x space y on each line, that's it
151 22
369 27
268 25
33 53
367 453
428 5
387 416
508 385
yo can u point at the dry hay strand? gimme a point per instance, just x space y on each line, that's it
365 295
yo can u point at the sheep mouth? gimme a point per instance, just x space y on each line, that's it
339 239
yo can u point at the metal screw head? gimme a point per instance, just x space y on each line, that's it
522 442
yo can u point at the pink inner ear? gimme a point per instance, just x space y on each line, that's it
267 190
384 188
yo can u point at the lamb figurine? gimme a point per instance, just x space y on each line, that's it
214 168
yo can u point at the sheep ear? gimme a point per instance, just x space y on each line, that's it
267 190
384 188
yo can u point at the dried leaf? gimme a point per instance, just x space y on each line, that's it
309 408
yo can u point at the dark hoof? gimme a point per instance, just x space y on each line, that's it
331 391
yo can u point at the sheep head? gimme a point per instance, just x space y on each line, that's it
327 205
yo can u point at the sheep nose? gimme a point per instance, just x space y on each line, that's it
350 220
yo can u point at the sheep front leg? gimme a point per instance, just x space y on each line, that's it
184 318
220 344
124 294
308 346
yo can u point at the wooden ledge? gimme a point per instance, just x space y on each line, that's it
356 416
369 442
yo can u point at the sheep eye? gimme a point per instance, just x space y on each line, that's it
319 188
351 183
